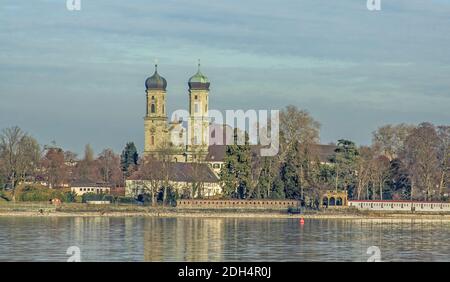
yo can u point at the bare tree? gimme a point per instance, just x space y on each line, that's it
389 139
19 153
297 127
380 173
364 169
109 166
55 169
86 169
165 154
444 157
421 155
152 176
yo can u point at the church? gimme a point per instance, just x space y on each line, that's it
194 145
186 143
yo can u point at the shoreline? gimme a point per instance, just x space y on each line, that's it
231 214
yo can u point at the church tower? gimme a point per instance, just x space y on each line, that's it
198 124
155 120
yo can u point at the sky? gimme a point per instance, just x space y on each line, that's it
77 77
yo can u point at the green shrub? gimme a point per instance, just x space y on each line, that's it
70 197
126 200
37 193
172 196
3 196
92 197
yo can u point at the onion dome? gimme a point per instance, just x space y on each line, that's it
199 80
156 82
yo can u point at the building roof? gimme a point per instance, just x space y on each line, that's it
397 201
179 172
323 152
217 153
156 81
199 80
91 184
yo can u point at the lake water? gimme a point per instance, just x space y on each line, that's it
220 239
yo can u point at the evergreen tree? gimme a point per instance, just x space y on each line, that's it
266 178
277 191
236 173
345 161
129 158
289 173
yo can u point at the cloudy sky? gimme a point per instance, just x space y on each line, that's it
77 77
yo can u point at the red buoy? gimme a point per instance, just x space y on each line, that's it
302 221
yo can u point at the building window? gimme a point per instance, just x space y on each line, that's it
196 108
152 140
163 108
152 108
196 97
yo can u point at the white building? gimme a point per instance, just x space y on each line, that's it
181 176
401 206
97 188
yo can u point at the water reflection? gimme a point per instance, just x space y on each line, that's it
221 239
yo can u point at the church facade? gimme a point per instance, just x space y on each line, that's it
163 138
184 143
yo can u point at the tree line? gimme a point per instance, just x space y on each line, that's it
402 162
409 162
24 160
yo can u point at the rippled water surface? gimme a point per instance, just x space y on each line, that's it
220 239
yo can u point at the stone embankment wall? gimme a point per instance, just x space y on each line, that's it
238 204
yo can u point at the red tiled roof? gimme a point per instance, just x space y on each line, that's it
181 172
217 153
396 201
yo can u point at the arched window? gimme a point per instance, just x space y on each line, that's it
332 201
196 108
152 108
163 108
152 140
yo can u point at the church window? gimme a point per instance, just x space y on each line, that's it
196 97
196 108
152 108
206 108
152 140
163 108
153 98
